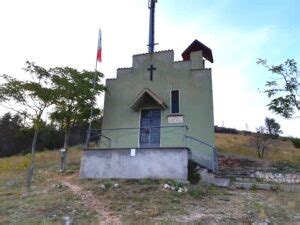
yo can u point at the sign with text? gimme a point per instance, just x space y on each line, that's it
175 119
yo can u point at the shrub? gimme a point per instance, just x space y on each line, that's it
296 142
193 175
198 193
175 184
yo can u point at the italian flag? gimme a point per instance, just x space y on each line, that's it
99 49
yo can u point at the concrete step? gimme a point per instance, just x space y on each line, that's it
265 186
254 186
232 174
209 178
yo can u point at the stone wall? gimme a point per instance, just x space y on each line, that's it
160 163
277 177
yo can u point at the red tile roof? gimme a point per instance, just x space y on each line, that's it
198 46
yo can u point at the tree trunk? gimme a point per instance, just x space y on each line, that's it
258 143
66 145
32 164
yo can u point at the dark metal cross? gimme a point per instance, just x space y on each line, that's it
151 69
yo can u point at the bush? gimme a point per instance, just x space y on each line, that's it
296 142
193 175
225 130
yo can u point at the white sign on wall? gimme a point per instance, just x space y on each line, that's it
132 152
175 119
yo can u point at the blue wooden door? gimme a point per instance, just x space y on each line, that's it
150 128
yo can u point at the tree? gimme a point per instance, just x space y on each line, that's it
75 96
261 141
29 99
272 127
10 134
283 89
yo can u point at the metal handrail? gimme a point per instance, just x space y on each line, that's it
100 135
125 128
136 128
214 150
198 140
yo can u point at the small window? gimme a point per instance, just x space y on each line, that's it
175 101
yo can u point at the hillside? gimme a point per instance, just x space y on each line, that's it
279 150
56 195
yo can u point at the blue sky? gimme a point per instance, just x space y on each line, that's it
64 33
239 32
279 16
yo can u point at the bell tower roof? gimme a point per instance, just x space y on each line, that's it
198 46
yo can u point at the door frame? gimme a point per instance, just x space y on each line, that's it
140 116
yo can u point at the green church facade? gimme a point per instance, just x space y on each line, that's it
160 103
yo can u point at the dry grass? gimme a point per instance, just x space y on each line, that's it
48 200
146 202
43 159
279 150
135 202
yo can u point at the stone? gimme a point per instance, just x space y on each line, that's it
264 186
221 182
290 188
166 186
67 220
12 182
243 185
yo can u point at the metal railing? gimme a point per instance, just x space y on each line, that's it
215 166
172 136
113 136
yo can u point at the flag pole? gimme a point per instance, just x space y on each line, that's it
94 87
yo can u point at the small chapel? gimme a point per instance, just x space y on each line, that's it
158 116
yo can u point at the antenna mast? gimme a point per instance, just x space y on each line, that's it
151 6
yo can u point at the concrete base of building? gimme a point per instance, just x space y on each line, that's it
140 163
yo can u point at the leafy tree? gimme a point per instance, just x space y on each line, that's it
16 135
296 142
272 127
283 89
10 133
29 99
75 96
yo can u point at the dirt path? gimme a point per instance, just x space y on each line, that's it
105 215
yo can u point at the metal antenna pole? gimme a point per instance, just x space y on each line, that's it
151 6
